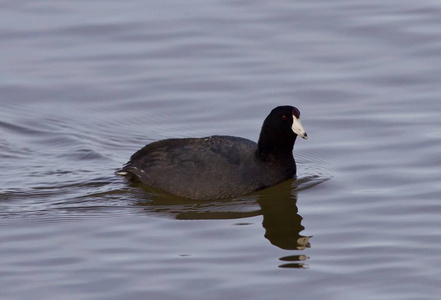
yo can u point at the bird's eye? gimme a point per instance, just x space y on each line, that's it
284 118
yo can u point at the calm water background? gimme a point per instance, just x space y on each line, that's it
84 84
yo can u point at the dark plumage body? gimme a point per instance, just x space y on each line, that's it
219 167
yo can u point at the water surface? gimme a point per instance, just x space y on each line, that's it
85 84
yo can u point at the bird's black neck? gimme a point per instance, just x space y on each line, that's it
276 146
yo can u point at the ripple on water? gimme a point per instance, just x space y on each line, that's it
87 83
82 192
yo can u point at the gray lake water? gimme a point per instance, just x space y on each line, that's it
84 84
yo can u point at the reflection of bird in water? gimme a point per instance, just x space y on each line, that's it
281 219
283 224
277 205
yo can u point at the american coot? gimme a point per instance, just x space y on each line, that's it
219 167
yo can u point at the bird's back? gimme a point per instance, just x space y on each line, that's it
199 168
